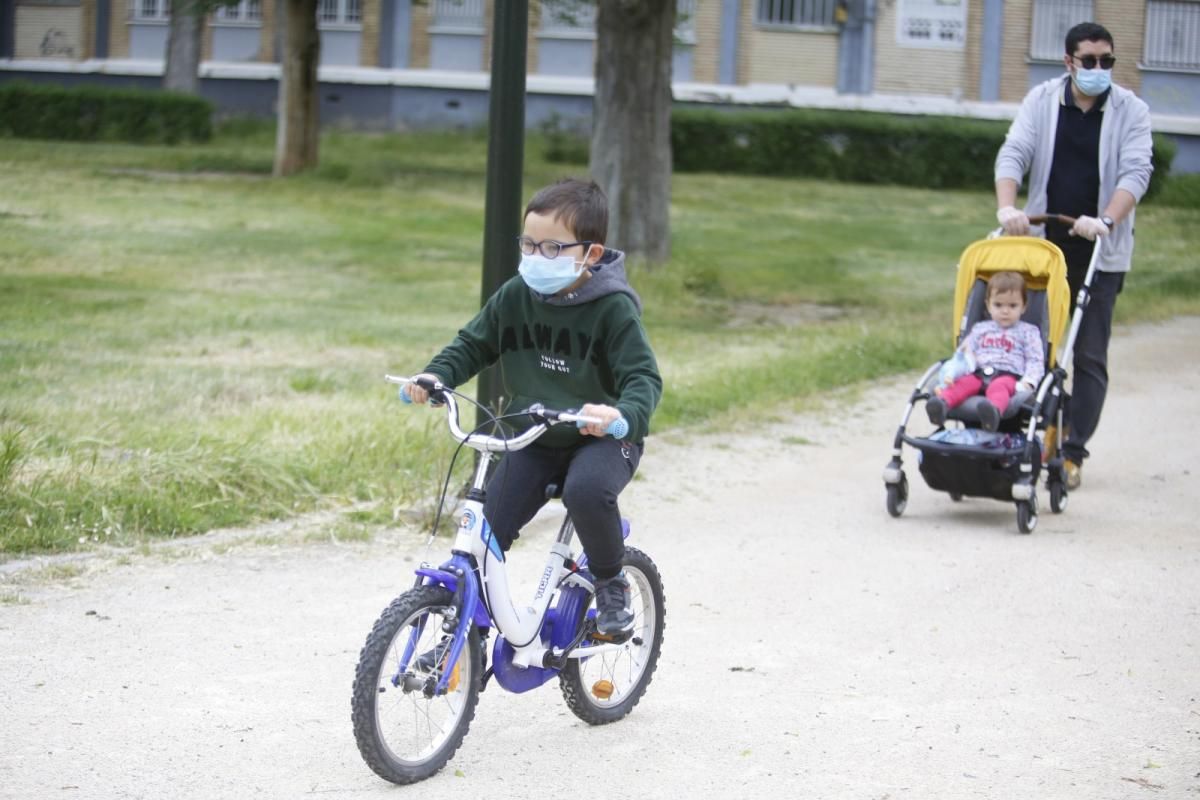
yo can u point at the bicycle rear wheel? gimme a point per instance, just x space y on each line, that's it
605 687
404 730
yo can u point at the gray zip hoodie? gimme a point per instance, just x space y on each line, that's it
1125 148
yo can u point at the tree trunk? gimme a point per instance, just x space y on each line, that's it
182 72
297 130
631 122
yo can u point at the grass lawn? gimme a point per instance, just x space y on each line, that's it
188 344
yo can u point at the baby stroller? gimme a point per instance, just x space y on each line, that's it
964 460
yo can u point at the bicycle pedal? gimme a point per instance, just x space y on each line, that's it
611 638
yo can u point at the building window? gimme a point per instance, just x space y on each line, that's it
938 24
795 13
151 10
569 19
1051 21
685 21
339 12
245 11
1173 34
457 15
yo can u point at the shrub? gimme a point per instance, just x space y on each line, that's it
859 146
1181 191
93 113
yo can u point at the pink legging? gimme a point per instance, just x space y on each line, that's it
999 391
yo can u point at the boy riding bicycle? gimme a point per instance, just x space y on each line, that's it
567 331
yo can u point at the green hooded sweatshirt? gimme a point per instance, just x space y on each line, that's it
588 346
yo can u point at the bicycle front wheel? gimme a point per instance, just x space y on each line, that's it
406 731
605 687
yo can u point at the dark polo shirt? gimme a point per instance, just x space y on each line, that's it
1074 185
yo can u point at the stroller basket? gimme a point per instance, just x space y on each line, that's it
972 470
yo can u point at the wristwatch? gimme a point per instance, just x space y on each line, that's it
1108 222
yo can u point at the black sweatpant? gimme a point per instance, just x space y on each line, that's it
1089 382
591 474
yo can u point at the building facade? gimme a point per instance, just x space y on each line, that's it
412 63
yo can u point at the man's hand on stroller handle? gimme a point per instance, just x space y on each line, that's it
1013 220
592 419
1089 228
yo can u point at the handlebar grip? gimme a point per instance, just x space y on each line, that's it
618 428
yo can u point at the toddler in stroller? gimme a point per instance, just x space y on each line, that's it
994 448
1006 352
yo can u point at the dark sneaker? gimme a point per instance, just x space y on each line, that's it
613 614
989 416
434 657
936 409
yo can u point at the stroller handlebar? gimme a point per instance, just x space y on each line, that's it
1041 219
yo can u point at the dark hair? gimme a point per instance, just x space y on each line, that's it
580 205
1007 282
1087 32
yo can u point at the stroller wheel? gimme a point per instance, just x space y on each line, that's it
1058 497
1027 514
897 496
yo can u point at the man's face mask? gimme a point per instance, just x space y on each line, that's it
1093 82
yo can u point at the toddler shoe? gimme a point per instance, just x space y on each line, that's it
989 416
935 407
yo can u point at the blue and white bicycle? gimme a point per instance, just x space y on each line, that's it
424 663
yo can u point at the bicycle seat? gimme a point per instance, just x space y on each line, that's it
554 491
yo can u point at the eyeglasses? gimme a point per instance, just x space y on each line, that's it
549 248
1105 61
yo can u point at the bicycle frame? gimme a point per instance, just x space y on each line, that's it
535 640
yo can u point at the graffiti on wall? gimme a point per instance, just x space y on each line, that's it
56 44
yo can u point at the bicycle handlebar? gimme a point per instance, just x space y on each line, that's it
618 428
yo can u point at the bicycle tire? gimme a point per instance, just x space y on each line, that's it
580 678
382 739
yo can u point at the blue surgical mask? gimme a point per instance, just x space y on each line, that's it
1093 82
549 275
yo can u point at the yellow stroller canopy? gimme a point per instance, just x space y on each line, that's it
1041 263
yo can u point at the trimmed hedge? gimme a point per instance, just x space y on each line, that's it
859 146
93 113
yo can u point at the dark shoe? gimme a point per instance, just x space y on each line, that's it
936 408
1074 474
613 599
989 416
434 657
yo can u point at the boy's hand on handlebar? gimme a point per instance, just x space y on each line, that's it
1013 220
607 415
419 394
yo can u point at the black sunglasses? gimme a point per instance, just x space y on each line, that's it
1089 62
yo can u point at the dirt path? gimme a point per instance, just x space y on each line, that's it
815 647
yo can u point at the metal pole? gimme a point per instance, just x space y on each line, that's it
505 165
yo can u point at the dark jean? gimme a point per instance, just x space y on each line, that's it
1090 362
591 474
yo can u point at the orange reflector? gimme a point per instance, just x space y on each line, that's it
602 689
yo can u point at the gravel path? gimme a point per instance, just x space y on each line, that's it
815 647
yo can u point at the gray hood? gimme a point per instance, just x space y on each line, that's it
608 277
